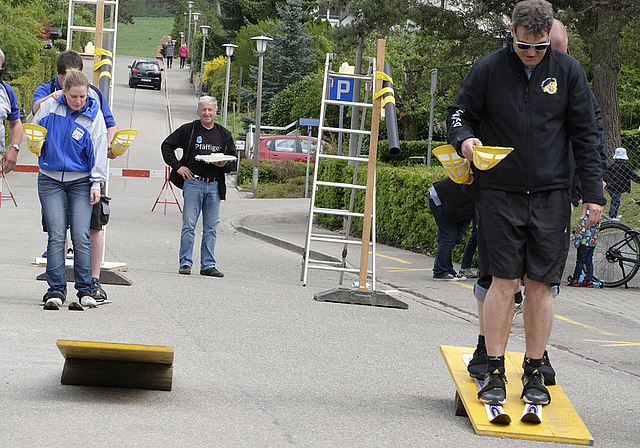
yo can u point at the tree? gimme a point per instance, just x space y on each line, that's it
288 58
18 35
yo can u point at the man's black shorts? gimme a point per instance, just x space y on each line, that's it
524 234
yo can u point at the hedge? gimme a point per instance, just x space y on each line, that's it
403 217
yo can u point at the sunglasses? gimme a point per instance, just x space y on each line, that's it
538 47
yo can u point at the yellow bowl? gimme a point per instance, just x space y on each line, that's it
486 157
122 140
457 167
35 137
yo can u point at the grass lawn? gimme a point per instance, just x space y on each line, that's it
142 38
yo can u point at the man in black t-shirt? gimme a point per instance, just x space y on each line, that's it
204 183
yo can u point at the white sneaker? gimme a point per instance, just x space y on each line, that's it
53 303
88 301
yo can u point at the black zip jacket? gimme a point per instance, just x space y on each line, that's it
537 117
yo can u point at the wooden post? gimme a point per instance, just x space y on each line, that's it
99 33
371 171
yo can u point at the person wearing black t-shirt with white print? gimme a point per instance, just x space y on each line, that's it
204 183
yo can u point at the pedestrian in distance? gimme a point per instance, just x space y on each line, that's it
169 52
524 202
73 164
452 210
204 183
9 111
620 176
71 60
585 241
183 53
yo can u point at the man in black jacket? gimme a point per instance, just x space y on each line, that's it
204 183
534 99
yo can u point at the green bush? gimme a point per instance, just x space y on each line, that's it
403 217
270 172
417 148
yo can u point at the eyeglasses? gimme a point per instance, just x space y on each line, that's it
538 47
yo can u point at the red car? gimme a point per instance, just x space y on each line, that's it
287 147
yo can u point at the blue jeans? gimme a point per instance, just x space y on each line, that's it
199 197
447 240
472 244
584 258
61 201
615 203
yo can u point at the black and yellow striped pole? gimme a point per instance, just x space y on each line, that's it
389 105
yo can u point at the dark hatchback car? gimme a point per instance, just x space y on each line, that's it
145 73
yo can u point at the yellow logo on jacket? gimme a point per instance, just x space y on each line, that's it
550 86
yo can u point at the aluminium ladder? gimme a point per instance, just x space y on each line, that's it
344 239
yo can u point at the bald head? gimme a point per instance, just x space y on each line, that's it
558 36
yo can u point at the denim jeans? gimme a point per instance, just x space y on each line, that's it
472 244
584 258
199 197
61 201
615 203
447 240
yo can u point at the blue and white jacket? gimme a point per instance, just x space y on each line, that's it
76 143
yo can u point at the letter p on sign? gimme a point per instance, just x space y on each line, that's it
341 89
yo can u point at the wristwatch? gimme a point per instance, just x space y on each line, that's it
13 145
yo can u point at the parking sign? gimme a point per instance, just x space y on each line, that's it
341 89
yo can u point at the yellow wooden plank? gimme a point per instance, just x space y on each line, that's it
560 421
111 351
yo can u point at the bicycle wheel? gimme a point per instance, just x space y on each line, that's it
616 258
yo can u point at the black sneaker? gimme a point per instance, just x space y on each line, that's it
212 272
547 371
494 389
98 294
533 390
184 270
477 367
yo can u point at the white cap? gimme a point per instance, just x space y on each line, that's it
620 153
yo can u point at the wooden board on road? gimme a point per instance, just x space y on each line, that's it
561 423
117 365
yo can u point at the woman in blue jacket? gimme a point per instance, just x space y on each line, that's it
72 167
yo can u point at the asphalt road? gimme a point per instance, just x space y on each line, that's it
258 362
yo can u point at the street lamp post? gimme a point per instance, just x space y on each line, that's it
261 43
229 48
205 30
196 16
190 4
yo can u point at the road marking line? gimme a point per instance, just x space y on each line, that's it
588 327
614 343
391 258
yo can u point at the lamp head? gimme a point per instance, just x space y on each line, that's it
229 48
261 43
190 4
196 16
205 29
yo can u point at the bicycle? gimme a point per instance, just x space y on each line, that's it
616 258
